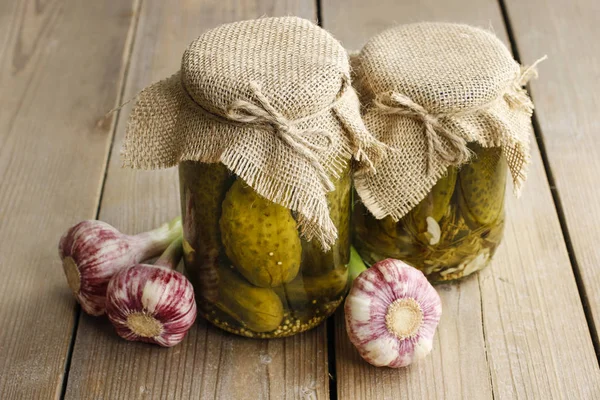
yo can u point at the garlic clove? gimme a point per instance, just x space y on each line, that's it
378 351
434 230
151 304
476 263
391 313
93 251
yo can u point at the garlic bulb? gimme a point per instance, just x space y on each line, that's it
93 251
392 312
152 303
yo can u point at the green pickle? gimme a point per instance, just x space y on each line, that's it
435 204
260 237
481 188
453 232
255 308
253 274
339 201
307 290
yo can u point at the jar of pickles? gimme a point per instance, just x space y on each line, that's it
253 273
263 124
449 102
453 231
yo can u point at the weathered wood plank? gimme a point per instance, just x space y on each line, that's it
567 100
536 340
456 369
209 363
60 70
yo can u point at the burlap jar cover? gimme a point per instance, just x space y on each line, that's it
270 99
427 90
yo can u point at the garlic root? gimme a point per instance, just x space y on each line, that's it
152 303
391 313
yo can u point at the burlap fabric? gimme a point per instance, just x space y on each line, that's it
428 89
270 99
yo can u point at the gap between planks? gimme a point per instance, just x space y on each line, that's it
330 335
539 138
126 62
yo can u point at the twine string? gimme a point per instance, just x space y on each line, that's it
530 72
518 97
263 113
453 151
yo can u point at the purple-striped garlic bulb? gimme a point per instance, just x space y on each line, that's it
392 312
152 303
93 251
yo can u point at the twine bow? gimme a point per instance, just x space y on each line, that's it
453 151
264 113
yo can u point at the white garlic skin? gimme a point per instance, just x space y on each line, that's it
151 304
93 251
387 335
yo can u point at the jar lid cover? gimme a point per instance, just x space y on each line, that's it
428 89
299 66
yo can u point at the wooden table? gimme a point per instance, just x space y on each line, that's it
527 327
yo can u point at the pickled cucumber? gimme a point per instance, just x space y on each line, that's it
203 187
423 221
436 203
317 290
384 238
260 237
481 187
314 261
258 309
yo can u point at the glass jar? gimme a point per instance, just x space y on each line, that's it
453 232
253 274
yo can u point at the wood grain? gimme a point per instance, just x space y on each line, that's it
456 369
60 70
537 344
209 363
567 97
